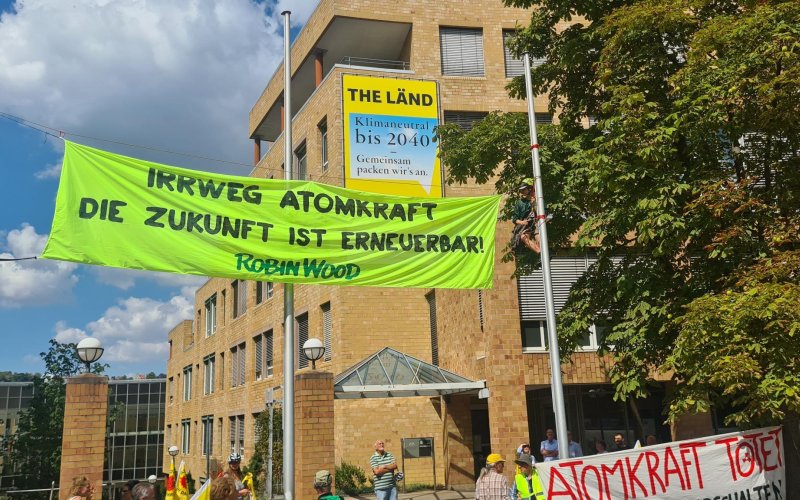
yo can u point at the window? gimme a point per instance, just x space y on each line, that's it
326 330
302 161
595 335
268 353
515 66
186 436
237 434
169 435
208 434
431 298
211 315
302 336
323 143
258 346
464 119
534 336
187 383
462 51
171 390
238 355
208 374
239 297
222 370
264 291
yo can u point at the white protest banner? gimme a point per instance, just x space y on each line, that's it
745 465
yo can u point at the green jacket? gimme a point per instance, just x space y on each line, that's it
523 490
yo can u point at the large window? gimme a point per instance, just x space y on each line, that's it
302 336
209 371
186 436
239 297
565 271
238 355
515 66
211 315
462 51
327 332
208 434
431 298
237 434
187 383
323 143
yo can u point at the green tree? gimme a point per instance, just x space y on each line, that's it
36 446
257 463
675 161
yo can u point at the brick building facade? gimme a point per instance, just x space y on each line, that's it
222 362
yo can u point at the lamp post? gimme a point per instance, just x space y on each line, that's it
313 350
173 451
89 350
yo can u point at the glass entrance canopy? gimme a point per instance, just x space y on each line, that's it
392 374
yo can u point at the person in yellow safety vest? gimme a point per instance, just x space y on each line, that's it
526 483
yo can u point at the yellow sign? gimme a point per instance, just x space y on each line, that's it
388 135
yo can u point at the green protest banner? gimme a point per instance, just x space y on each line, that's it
117 211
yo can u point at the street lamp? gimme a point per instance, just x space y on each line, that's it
89 351
173 451
313 350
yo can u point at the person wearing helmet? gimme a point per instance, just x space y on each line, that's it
524 218
235 472
322 483
492 484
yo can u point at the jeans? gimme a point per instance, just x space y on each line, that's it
390 494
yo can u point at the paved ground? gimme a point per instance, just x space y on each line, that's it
428 495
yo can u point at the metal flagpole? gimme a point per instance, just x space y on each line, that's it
288 288
556 386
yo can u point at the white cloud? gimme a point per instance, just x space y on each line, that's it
135 330
49 172
126 278
66 335
173 74
32 282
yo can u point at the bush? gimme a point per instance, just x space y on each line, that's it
350 479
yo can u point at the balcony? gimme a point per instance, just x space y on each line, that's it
349 42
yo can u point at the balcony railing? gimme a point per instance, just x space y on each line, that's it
375 63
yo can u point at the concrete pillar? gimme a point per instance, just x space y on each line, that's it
458 443
256 151
314 443
83 443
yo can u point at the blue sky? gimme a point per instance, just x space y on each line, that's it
179 75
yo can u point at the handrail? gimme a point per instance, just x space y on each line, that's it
376 63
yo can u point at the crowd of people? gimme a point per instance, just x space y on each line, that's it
492 483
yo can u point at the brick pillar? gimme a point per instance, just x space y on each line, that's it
83 443
314 443
256 151
318 67
458 443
